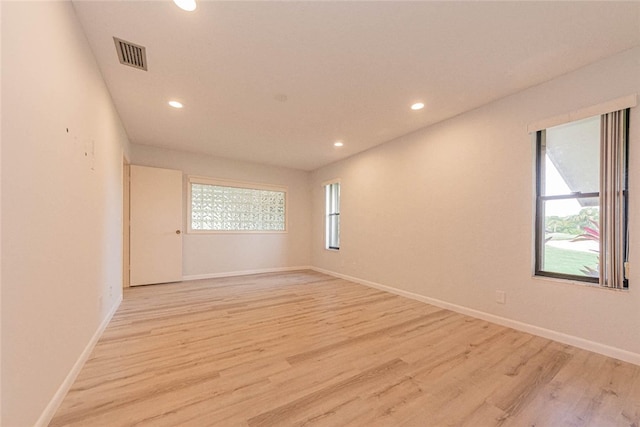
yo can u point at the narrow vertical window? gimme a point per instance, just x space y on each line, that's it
581 200
332 221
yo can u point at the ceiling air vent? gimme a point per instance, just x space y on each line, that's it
131 54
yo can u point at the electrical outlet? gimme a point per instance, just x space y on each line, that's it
501 297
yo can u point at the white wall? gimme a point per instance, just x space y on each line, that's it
61 201
447 213
0 231
218 254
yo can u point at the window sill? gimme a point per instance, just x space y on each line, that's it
577 283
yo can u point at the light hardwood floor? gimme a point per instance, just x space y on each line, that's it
303 348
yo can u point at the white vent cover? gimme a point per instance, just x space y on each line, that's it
131 54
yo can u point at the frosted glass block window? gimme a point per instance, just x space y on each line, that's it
237 207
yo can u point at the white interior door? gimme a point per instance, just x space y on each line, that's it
156 225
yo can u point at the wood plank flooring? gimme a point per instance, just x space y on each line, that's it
303 348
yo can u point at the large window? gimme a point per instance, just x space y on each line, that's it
581 200
332 222
223 206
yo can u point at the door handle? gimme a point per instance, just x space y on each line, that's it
178 232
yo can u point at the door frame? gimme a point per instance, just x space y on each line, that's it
126 223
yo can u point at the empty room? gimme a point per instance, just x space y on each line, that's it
330 213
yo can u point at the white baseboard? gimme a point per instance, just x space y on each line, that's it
582 343
58 397
244 272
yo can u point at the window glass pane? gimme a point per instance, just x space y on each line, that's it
334 233
335 199
332 200
571 158
223 208
571 237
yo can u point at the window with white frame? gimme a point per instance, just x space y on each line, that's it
226 206
332 221
581 200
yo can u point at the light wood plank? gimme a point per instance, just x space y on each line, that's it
303 348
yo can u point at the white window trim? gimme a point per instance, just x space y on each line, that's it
622 103
625 103
324 185
194 179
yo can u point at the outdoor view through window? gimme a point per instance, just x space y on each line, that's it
568 202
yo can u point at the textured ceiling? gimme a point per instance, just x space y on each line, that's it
279 82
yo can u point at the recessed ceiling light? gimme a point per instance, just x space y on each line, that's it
417 106
188 5
175 104
338 144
